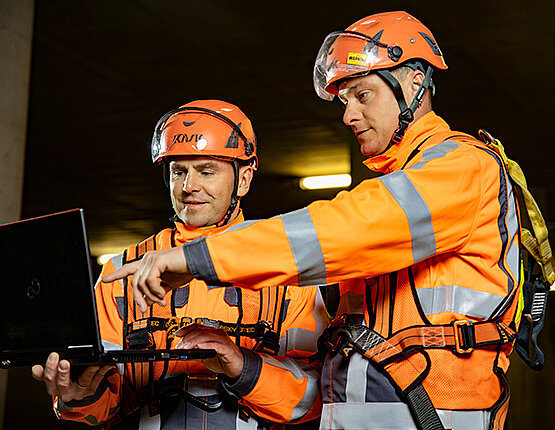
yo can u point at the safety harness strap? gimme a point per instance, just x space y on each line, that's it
537 243
140 331
461 336
422 409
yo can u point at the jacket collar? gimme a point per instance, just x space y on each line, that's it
394 158
186 234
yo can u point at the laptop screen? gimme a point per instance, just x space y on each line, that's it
46 284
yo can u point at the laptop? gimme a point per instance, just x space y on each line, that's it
47 290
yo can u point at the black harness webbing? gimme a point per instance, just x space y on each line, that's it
422 409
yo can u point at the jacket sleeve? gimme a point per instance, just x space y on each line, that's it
104 404
285 388
382 225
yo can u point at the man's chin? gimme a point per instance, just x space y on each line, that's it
371 149
194 220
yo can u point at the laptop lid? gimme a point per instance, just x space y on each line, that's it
46 281
46 284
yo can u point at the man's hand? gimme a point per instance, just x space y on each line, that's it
229 359
154 275
55 374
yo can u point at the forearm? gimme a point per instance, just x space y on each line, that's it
383 225
278 389
95 409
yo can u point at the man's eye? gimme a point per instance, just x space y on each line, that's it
362 95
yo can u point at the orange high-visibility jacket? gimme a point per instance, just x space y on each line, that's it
280 388
437 240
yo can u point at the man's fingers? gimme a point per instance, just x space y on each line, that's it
51 373
51 367
38 372
87 376
125 271
183 331
63 380
99 376
146 284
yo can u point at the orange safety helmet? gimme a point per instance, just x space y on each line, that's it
380 41
376 44
208 128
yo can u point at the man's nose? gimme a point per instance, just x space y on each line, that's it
351 115
191 183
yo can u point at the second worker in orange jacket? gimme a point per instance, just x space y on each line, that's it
432 247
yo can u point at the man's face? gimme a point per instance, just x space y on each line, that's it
371 111
200 189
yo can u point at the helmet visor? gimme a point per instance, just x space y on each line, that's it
343 54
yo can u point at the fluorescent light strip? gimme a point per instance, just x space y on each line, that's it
327 181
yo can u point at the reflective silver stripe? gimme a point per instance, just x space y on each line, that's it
250 424
355 390
305 246
110 346
117 261
299 369
460 300
371 416
415 208
147 422
310 394
417 212
513 255
304 339
434 152
242 225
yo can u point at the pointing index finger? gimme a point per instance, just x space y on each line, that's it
123 272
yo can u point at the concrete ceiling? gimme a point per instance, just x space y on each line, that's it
103 72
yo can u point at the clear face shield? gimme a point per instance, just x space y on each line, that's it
348 53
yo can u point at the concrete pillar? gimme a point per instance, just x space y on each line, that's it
16 30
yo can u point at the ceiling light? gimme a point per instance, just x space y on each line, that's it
327 181
104 258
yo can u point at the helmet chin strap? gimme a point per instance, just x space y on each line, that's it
406 115
234 197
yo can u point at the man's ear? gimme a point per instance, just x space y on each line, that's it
246 174
415 80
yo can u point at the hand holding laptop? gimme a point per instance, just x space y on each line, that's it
56 375
154 275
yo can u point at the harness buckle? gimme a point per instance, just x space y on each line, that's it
267 340
465 340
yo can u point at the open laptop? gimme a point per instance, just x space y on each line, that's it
47 292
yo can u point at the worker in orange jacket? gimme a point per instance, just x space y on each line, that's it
431 247
260 375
